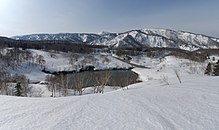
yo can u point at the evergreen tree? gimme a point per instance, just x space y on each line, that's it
208 69
18 89
213 59
216 69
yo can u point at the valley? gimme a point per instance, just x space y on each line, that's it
154 79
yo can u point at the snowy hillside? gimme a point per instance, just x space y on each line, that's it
59 61
186 40
135 39
150 105
161 38
159 102
72 37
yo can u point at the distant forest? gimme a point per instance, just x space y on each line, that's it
57 45
67 46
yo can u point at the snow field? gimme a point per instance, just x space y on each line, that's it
150 105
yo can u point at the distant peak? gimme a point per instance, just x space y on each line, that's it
104 33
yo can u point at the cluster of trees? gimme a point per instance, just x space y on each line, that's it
208 51
16 85
61 84
190 55
58 84
101 81
15 57
127 80
131 52
12 58
56 45
212 69
86 59
160 52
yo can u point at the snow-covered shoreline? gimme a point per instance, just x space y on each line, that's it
151 104
158 102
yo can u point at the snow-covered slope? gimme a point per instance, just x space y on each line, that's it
59 61
150 105
5 39
161 38
135 39
72 37
186 40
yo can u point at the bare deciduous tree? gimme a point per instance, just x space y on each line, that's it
40 60
165 79
101 81
52 84
57 83
64 84
127 80
79 83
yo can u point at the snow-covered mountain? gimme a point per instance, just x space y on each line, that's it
73 37
5 39
186 40
160 38
135 39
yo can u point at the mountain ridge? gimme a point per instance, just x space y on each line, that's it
135 39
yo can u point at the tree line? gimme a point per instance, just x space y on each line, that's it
61 84
156 52
12 58
56 45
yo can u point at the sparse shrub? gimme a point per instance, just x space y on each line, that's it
165 80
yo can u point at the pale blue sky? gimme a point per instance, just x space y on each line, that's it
55 16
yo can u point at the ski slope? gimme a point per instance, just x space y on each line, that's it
150 105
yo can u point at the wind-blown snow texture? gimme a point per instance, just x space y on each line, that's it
150 105
135 39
